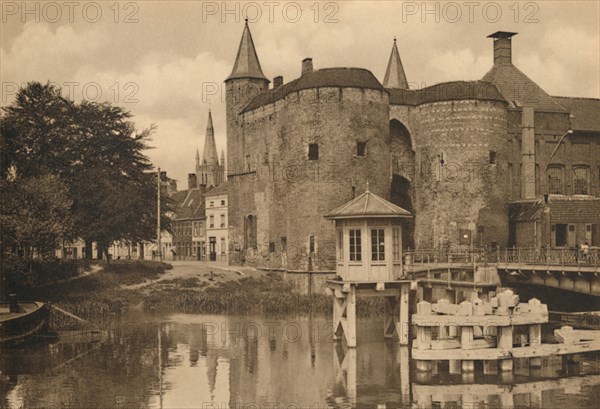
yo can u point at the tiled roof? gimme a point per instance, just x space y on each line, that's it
446 91
367 205
218 190
585 112
518 89
394 74
246 62
179 197
563 209
192 207
574 209
327 77
527 210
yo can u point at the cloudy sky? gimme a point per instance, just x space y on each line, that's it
166 61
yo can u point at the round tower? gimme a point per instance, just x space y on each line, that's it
462 158
244 83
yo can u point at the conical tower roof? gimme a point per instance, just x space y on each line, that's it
210 147
246 63
394 75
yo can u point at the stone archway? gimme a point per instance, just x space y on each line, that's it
403 175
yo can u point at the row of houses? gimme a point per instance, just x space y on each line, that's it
199 221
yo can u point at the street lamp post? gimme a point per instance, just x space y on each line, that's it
159 250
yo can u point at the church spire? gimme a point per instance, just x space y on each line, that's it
246 63
210 155
197 159
394 75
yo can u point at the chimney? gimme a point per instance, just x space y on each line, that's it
502 47
277 82
202 188
192 181
307 65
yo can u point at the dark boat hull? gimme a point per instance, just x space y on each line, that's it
29 324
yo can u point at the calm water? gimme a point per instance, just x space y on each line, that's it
197 361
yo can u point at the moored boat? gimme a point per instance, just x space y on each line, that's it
23 321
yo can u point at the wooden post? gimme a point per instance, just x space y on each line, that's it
350 330
535 333
350 364
423 336
466 335
505 335
339 306
490 367
454 366
404 361
404 318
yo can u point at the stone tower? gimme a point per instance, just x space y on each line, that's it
245 81
208 169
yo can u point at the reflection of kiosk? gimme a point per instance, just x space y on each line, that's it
369 263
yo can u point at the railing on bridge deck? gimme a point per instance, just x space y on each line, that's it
530 256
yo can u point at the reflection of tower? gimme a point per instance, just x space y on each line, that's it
212 362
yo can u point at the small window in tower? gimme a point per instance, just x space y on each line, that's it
492 157
361 149
313 151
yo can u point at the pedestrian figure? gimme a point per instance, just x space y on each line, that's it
585 251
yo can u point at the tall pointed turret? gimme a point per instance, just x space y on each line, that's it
245 82
246 62
208 171
394 75
210 155
197 158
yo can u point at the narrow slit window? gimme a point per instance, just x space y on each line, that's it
313 151
361 149
492 157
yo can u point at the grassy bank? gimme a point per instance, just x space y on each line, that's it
98 293
111 289
269 295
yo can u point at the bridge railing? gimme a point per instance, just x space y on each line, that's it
532 256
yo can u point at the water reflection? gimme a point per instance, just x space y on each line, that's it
192 361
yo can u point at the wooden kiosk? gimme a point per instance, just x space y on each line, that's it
369 264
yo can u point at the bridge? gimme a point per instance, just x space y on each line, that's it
565 269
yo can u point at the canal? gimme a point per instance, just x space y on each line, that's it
202 361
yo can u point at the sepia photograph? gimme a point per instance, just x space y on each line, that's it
299 204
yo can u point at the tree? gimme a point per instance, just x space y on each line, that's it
94 150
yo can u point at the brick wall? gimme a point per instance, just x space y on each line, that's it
290 193
457 186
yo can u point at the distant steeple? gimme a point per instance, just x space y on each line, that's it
394 75
224 177
197 158
210 156
246 63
